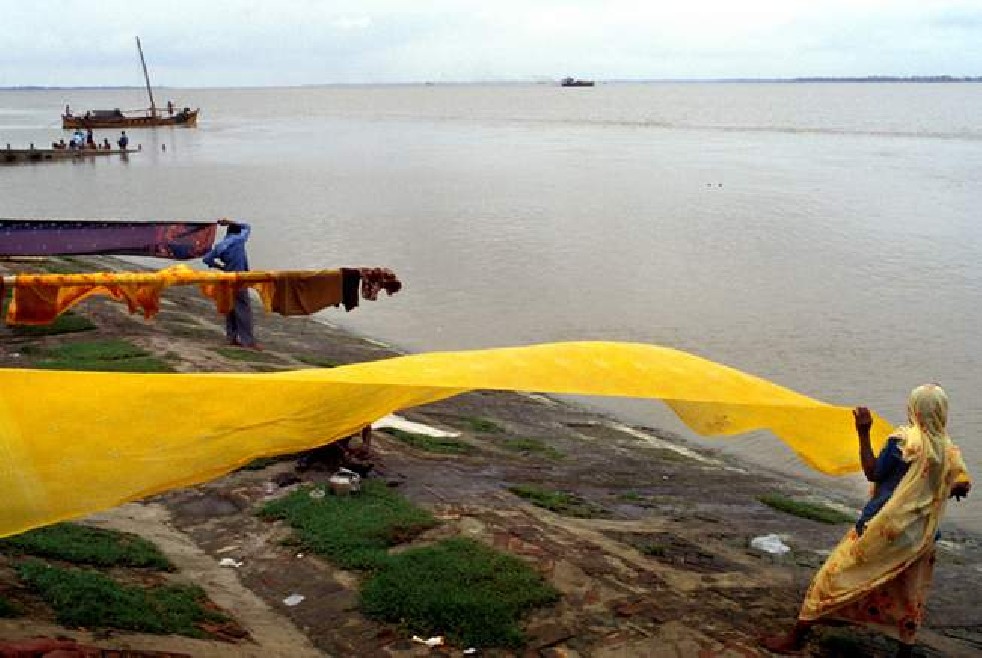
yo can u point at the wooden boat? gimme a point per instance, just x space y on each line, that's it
119 119
573 82
21 156
148 118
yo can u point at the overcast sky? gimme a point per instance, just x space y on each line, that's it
287 42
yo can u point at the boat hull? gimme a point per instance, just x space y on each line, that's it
188 120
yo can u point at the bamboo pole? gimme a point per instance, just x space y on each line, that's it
203 276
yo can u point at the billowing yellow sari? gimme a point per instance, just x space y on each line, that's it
881 578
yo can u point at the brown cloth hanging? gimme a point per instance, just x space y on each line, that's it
307 293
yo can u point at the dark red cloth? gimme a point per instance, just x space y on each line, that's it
376 279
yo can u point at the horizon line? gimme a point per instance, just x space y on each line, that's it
940 78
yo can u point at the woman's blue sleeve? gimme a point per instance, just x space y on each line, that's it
890 460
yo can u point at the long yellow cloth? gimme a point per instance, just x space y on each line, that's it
72 443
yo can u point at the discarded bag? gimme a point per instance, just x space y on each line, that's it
770 544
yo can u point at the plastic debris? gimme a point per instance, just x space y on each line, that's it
770 544
470 652
299 555
230 562
436 641
294 599
316 494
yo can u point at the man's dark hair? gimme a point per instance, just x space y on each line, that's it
234 228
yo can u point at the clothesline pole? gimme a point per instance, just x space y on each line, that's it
153 277
104 220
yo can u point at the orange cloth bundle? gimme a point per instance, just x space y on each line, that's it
40 298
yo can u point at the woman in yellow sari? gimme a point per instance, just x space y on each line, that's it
879 574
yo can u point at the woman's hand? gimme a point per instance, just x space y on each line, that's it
864 420
960 490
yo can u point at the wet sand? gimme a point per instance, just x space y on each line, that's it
701 591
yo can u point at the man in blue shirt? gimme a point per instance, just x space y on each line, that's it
229 255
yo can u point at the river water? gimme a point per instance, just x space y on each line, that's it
826 236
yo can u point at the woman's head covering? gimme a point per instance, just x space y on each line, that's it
927 408
927 414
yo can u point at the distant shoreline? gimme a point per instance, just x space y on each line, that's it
916 79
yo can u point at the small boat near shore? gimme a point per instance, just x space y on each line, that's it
150 117
573 82
22 156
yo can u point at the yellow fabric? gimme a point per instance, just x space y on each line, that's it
880 578
77 442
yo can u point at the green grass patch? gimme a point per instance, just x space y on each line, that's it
665 455
267 367
483 425
458 587
147 364
653 550
197 332
318 362
82 545
532 446
473 594
89 599
560 502
100 350
354 532
66 323
113 355
443 445
66 265
805 510
59 266
252 356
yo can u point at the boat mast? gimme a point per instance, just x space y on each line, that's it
146 77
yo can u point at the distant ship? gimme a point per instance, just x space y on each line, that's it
573 82
148 118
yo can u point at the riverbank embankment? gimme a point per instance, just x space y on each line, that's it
645 539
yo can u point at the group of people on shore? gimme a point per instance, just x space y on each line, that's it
86 140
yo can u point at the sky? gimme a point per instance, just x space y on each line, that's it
209 43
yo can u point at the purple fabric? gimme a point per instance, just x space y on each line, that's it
174 240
